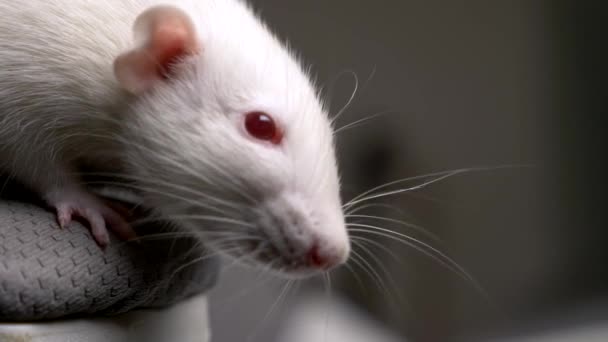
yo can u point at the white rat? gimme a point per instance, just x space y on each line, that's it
196 101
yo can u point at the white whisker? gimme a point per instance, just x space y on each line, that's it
417 228
367 195
276 303
357 278
204 218
425 249
350 99
328 293
379 282
384 270
361 121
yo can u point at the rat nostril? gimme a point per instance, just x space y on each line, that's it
318 258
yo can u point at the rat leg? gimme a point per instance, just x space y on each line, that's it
52 180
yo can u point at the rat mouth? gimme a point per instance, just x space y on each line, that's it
258 251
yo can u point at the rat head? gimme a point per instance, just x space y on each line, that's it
226 136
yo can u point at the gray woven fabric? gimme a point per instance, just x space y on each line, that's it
47 272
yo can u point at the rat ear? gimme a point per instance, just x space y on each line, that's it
163 34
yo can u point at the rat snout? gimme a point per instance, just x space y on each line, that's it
304 237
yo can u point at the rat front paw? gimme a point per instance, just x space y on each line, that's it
80 204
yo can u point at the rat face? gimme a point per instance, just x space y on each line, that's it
235 146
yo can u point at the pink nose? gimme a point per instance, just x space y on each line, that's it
321 259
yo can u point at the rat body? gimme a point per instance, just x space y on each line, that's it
195 101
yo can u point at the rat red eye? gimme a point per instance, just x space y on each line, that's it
261 126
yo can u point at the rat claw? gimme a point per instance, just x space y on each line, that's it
64 215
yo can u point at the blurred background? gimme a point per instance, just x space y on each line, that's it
460 84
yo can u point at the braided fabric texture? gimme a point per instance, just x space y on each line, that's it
48 273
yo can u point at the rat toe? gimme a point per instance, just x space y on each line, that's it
98 227
64 215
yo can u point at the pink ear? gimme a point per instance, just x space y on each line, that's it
166 35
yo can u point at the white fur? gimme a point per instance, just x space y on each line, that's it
184 141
